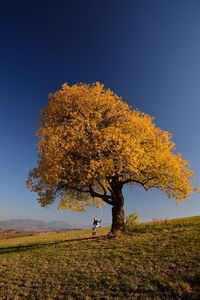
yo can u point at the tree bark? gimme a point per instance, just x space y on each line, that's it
118 224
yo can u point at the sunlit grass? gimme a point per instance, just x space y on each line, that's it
50 237
156 261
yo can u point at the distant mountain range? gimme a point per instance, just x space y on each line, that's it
31 224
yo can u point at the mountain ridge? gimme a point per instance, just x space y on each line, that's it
35 224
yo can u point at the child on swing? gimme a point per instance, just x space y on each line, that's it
96 224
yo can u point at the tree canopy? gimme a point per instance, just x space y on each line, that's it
91 143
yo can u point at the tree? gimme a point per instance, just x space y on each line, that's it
92 144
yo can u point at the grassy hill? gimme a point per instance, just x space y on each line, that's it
158 260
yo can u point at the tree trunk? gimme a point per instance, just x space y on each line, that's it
118 225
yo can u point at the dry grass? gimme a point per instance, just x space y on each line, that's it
156 261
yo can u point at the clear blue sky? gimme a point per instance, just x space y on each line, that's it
148 52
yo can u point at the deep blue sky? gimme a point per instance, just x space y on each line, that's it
148 52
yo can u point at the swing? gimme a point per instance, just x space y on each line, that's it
96 222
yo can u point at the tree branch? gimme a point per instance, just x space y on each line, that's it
105 198
79 190
143 183
109 187
82 114
63 185
99 182
102 197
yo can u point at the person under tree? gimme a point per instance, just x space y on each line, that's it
96 224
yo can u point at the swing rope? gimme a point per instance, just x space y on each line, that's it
95 208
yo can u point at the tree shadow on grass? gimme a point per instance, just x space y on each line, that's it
23 248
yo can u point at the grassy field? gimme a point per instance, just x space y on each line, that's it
158 260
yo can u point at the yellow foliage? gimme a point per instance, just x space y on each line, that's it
90 137
196 189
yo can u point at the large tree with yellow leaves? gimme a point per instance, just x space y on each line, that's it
92 144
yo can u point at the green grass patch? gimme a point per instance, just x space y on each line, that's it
155 261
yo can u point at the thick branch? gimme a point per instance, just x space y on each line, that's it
143 183
103 197
109 186
79 190
102 186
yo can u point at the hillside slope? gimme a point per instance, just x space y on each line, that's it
156 261
32 224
